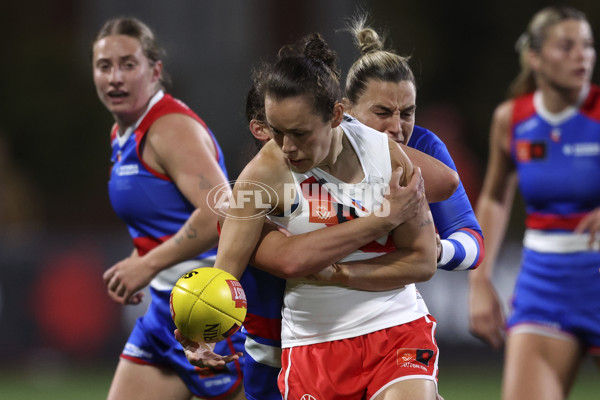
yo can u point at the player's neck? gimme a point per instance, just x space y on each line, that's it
557 99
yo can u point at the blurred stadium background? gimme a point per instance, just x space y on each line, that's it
60 335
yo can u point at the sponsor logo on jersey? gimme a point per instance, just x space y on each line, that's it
591 149
126 170
134 351
414 358
308 397
527 150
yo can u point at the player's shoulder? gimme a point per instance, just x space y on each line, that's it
423 135
505 109
398 157
504 113
180 128
268 165
169 112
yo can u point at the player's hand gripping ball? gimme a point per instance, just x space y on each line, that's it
208 305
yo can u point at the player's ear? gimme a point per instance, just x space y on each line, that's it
338 115
533 59
259 130
157 71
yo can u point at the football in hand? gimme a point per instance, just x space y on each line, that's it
208 305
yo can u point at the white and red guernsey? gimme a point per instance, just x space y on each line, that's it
315 312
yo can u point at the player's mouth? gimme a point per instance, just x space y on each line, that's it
117 95
580 72
295 163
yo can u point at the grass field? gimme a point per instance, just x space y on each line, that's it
456 383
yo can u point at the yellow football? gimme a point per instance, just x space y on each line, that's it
208 305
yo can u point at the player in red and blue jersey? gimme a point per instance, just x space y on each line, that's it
165 161
546 140
461 238
381 93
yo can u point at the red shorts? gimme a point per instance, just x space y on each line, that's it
362 366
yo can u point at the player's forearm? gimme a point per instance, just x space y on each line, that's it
462 240
414 261
238 240
197 235
387 272
305 254
462 250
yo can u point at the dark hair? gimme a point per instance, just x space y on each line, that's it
136 29
255 101
533 39
307 67
374 62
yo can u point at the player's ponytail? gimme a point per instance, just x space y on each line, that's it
375 61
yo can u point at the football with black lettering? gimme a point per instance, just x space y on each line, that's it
208 305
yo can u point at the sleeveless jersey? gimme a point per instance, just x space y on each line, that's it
557 158
314 312
149 202
154 209
460 233
557 172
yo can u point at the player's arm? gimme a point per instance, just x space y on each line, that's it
181 148
301 255
413 261
440 180
493 212
243 226
187 154
462 244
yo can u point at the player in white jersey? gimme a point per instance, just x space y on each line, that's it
304 114
289 257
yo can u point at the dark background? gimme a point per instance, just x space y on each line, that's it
57 230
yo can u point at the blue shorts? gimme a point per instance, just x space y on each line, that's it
260 380
152 342
560 292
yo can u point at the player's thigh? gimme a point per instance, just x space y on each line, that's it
410 389
539 367
139 381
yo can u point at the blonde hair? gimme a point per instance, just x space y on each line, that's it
533 39
375 62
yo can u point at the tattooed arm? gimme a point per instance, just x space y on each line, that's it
415 258
179 147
